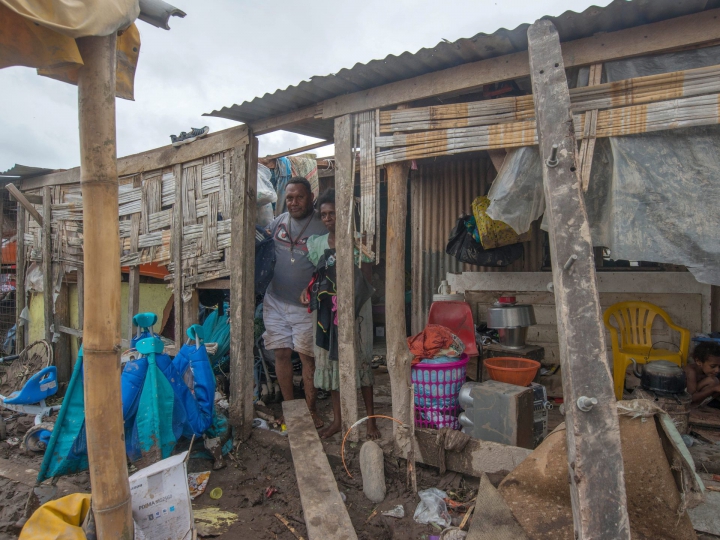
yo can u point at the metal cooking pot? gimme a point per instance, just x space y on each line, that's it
661 376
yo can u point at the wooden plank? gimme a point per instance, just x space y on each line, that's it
300 150
20 296
595 463
69 331
158 158
323 509
587 146
47 272
214 284
81 298
242 289
134 271
176 240
689 30
491 509
19 197
190 313
345 243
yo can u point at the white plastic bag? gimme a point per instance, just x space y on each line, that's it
432 508
265 191
264 215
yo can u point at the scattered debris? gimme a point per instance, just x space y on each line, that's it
197 482
289 527
395 512
432 508
211 521
216 493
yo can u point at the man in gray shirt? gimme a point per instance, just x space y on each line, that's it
288 324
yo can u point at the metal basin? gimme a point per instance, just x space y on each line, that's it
513 338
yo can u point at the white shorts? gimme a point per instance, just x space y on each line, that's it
287 326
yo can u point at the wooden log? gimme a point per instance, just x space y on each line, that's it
242 285
399 356
19 197
595 465
323 509
101 258
176 248
134 271
666 35
47 272
20 329
344 243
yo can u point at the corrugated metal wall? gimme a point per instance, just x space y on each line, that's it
439 193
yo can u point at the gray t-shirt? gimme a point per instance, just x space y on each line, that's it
290 278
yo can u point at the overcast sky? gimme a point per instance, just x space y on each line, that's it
230 51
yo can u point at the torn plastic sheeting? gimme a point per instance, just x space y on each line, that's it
651 197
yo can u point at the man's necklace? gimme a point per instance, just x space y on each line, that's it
297 239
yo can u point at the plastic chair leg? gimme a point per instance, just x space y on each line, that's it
619 367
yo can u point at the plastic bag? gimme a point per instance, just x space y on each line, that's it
493 233
265 190
264 215
432 508
465 248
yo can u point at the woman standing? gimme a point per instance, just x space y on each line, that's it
321 249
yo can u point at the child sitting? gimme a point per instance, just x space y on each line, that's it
702 375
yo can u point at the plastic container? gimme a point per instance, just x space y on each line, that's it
518 371
437 387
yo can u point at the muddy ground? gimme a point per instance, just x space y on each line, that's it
264 462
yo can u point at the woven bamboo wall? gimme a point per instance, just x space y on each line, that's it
145 213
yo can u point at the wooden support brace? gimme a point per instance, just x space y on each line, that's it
306 148
344 242
587 146
21 330
176 249
595 465
324 511
63 359
242 285
134 271
19 197
48 282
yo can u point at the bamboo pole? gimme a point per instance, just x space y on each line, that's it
101 334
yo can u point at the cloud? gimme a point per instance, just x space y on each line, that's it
230 51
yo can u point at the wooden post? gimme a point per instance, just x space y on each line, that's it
101 333
399 356
595 465
176 240
243 183
20 330
190 313
344 244
48 281
134 271
80 306
62 346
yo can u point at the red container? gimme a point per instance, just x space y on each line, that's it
518 371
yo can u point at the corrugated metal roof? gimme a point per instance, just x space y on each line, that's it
23 171
618 15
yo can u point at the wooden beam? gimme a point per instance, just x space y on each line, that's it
61 319
242 285
190 313
587 146
286 120
19 197
345 244
158 158
47 272
312 146
33 199
323 509
399 356
20 329
689 30
134 271
214 284
595 462
80 299
69 331
176 249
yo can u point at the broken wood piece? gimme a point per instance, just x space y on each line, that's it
323 508
490 508
594 456
289 527
476 458
466 517
19 197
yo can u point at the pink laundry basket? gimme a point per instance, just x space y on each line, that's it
437 387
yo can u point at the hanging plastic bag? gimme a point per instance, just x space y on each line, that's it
265 190
432 508
494 234
465 248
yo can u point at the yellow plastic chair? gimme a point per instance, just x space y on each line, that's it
632 338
